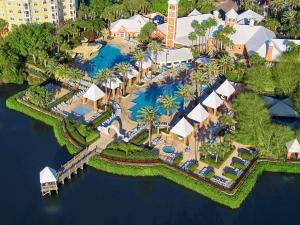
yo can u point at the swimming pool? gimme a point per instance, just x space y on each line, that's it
151 94
108 56
168 149
82 110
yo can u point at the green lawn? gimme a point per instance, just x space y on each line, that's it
220 161
120 150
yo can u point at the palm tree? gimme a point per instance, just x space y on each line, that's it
186 92
198 77
205 149
123 68
192 37
226 63
155 48
289 17
103 77
169 104
139 56
148 115
212 70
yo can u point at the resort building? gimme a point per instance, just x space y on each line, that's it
128 28
247 39
17 12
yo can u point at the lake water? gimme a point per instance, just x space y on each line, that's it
99 198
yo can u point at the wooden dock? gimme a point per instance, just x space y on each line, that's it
69 168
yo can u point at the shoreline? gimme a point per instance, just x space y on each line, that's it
230 198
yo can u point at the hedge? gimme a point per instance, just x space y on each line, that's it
56 123
233 201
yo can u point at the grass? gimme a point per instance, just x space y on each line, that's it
213 163
238 166
246 156
232 201
140 138
104 116
230 176
120 150
60 100
81 133
45 117
178 160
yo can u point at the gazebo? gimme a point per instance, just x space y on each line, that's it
213 101
226 89
48 180
94 93
113 84
183 129
293 147
199 114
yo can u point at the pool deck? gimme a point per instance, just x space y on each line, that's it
125 46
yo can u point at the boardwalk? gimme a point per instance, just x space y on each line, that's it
69 168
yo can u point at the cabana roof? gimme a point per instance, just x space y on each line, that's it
94 93
293 146
113 83
198 114
213 101
47 175
281 109
173 55
226 89
183 128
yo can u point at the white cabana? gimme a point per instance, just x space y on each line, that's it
293 146
146 63
113 83
198 114
48 175
94 93
226 89
213 101
183 129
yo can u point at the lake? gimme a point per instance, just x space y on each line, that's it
94 197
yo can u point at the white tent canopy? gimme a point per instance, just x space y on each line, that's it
113 83
293 146
183 128
146 63
198 114
94 93
47 175
213 101
226 89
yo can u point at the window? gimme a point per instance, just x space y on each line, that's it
10 11
36 11
20 19
45 9
18 4
35 3
8 3
37 19
19 11
46 17
11 18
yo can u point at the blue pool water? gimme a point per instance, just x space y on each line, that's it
168 149
150 96
82 110
108 56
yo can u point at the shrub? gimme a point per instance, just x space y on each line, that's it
38 96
